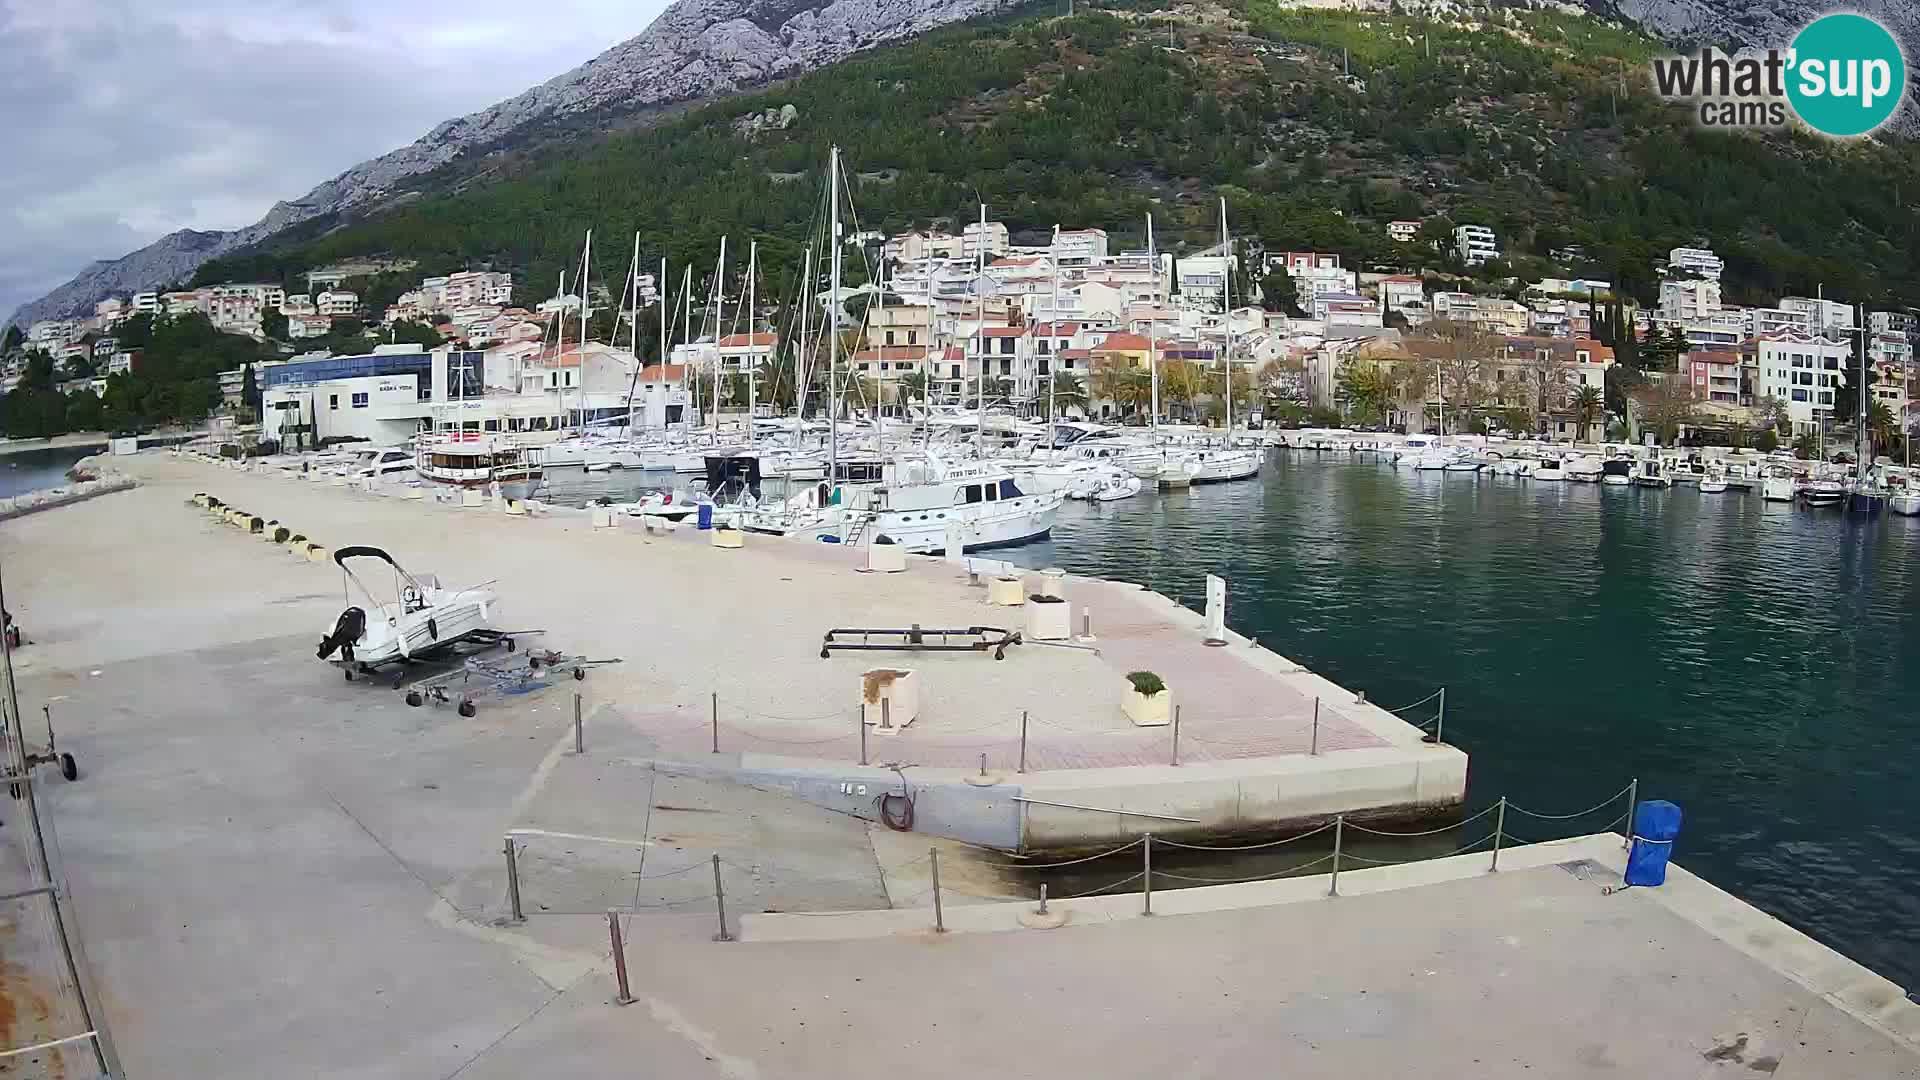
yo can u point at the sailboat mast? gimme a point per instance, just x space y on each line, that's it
802 359
833 316
633 335
753 257
1226 311
1053 362
1153 356
660 297
719 329
980 328
586 254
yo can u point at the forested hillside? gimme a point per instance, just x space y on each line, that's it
1317 128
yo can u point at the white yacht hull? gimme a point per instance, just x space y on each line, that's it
1906 504
1713 487
1018 521
1777 489
1216 466
1549 473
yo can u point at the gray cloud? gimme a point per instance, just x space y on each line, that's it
126 120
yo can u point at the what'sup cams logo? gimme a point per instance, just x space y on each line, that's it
1844 75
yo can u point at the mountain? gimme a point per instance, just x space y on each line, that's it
701 49
695 49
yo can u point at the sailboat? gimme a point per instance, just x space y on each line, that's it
1226 463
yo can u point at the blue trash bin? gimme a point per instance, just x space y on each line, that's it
1656 825
706 515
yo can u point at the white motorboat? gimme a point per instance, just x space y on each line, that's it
1112 487
1778 484
1823 493
1510 466
423 619
1550 469
1714 482
1433 459
979 502
1616 472
1905 502
1651 472
373 464
1584 469
1463 461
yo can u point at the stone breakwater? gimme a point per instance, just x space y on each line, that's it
90 480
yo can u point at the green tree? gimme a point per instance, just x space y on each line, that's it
12 339
250 390
1766 442
1069 392
1882 429
273 325
1367 389
1587 404
407 332
916 385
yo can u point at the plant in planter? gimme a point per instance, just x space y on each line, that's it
1049 618
1147 702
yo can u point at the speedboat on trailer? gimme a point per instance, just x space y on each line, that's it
424 618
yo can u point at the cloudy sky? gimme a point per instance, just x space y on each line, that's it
127 119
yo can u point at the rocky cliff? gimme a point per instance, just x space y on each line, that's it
695 49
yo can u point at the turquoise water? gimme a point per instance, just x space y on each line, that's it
31 470
1752 662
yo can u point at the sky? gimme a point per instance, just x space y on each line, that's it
125 120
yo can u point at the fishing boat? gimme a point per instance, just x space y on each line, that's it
423 619
1714 482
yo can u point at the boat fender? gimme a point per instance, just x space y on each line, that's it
433 630
347 629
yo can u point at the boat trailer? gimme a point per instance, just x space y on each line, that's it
530 671
69 768
917 638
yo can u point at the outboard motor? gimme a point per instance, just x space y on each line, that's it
347 629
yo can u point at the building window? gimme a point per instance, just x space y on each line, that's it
1800 395
359 401
956 371
491 425
889 337
1045 346
333 401
1826 397
1043 366
1006 346
913 337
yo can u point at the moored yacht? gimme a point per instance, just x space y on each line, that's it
469 460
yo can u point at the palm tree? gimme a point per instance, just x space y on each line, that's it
1069 391
1587 403
1882 429
916 385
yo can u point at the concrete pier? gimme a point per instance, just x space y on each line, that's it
264 856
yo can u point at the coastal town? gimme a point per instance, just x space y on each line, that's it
1074 326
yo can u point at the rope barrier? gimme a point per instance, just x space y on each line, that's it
1240 847
1428 832
1422 701
1462 849
672 873
786 742
1104 888
1069 862
1242 880
1610 800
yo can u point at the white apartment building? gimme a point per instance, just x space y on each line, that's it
1694 262
1476 244
307 326
110 310
1203 281
51 332
1347 310
146 303
1819 316
1403 232
1804 371
182 303
1689 298
470 287
1314 274
1404 294
1493 313
997 242
337 303
1079 247
1894 322
298 304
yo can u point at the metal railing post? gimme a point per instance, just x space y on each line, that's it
1146 875
1339 834
720 901
1633 803
579 738
1176 735
1023 740
939 912
1440 722
716 721
1315 748
983 763
619 958
1499 827
513 883
1043 898
860 718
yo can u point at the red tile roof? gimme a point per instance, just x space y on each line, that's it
1055 329
1002 331
1124 341
741 341
663 373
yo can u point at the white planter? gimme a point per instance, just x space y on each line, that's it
889 699
1006 592
886 558
471 497
1144 711
1048 619
602 518
728 538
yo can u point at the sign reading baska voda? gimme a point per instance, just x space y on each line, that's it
1843 75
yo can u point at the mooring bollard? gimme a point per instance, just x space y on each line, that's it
939 913
720 901
1086 624
1176 735
1315 748
1339 830
513 883
1499 826
1633 803
579 737
1146 875
716 722
619 958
